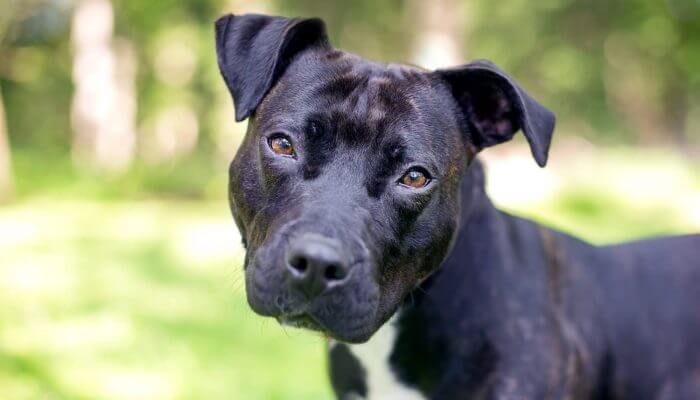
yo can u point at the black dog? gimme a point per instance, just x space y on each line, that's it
364 216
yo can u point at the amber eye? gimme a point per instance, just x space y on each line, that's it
415 178
281 145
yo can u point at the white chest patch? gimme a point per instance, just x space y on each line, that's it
382 384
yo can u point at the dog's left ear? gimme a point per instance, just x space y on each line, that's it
494 108
254 50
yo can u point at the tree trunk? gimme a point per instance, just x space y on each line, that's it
104 104
6 186
440 33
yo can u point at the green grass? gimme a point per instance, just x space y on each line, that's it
114 296
138 300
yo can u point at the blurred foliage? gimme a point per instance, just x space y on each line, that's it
621 72
625 70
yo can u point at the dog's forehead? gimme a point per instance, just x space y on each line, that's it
371 97
369 90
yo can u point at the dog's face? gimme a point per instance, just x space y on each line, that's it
346 187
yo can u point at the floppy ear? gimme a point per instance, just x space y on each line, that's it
495 108
253 51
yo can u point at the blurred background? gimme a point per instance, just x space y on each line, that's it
120 267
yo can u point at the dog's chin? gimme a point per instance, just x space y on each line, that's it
355 335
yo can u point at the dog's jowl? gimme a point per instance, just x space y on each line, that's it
360 201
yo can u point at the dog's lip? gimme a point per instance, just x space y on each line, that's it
300 320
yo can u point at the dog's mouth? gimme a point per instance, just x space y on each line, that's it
303 321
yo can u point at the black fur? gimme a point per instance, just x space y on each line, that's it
489 305
348 376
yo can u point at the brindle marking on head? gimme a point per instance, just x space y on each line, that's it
367 104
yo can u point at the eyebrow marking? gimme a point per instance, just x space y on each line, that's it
393 155
321 143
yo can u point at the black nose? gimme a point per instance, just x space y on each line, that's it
316 263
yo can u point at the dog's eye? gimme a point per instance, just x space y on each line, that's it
415 178
281 145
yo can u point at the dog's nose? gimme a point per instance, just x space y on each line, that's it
316 263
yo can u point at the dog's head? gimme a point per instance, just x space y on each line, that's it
346 186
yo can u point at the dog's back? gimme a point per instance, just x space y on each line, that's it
652 316
631 311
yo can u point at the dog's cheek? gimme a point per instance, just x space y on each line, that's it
397 241
244 186
258 197
423 247
436 233
435 252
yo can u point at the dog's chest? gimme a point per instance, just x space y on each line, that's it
373 359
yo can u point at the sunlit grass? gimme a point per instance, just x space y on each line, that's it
138 300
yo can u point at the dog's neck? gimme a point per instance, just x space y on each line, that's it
396 356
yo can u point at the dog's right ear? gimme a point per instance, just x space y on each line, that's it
495 107
253 51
